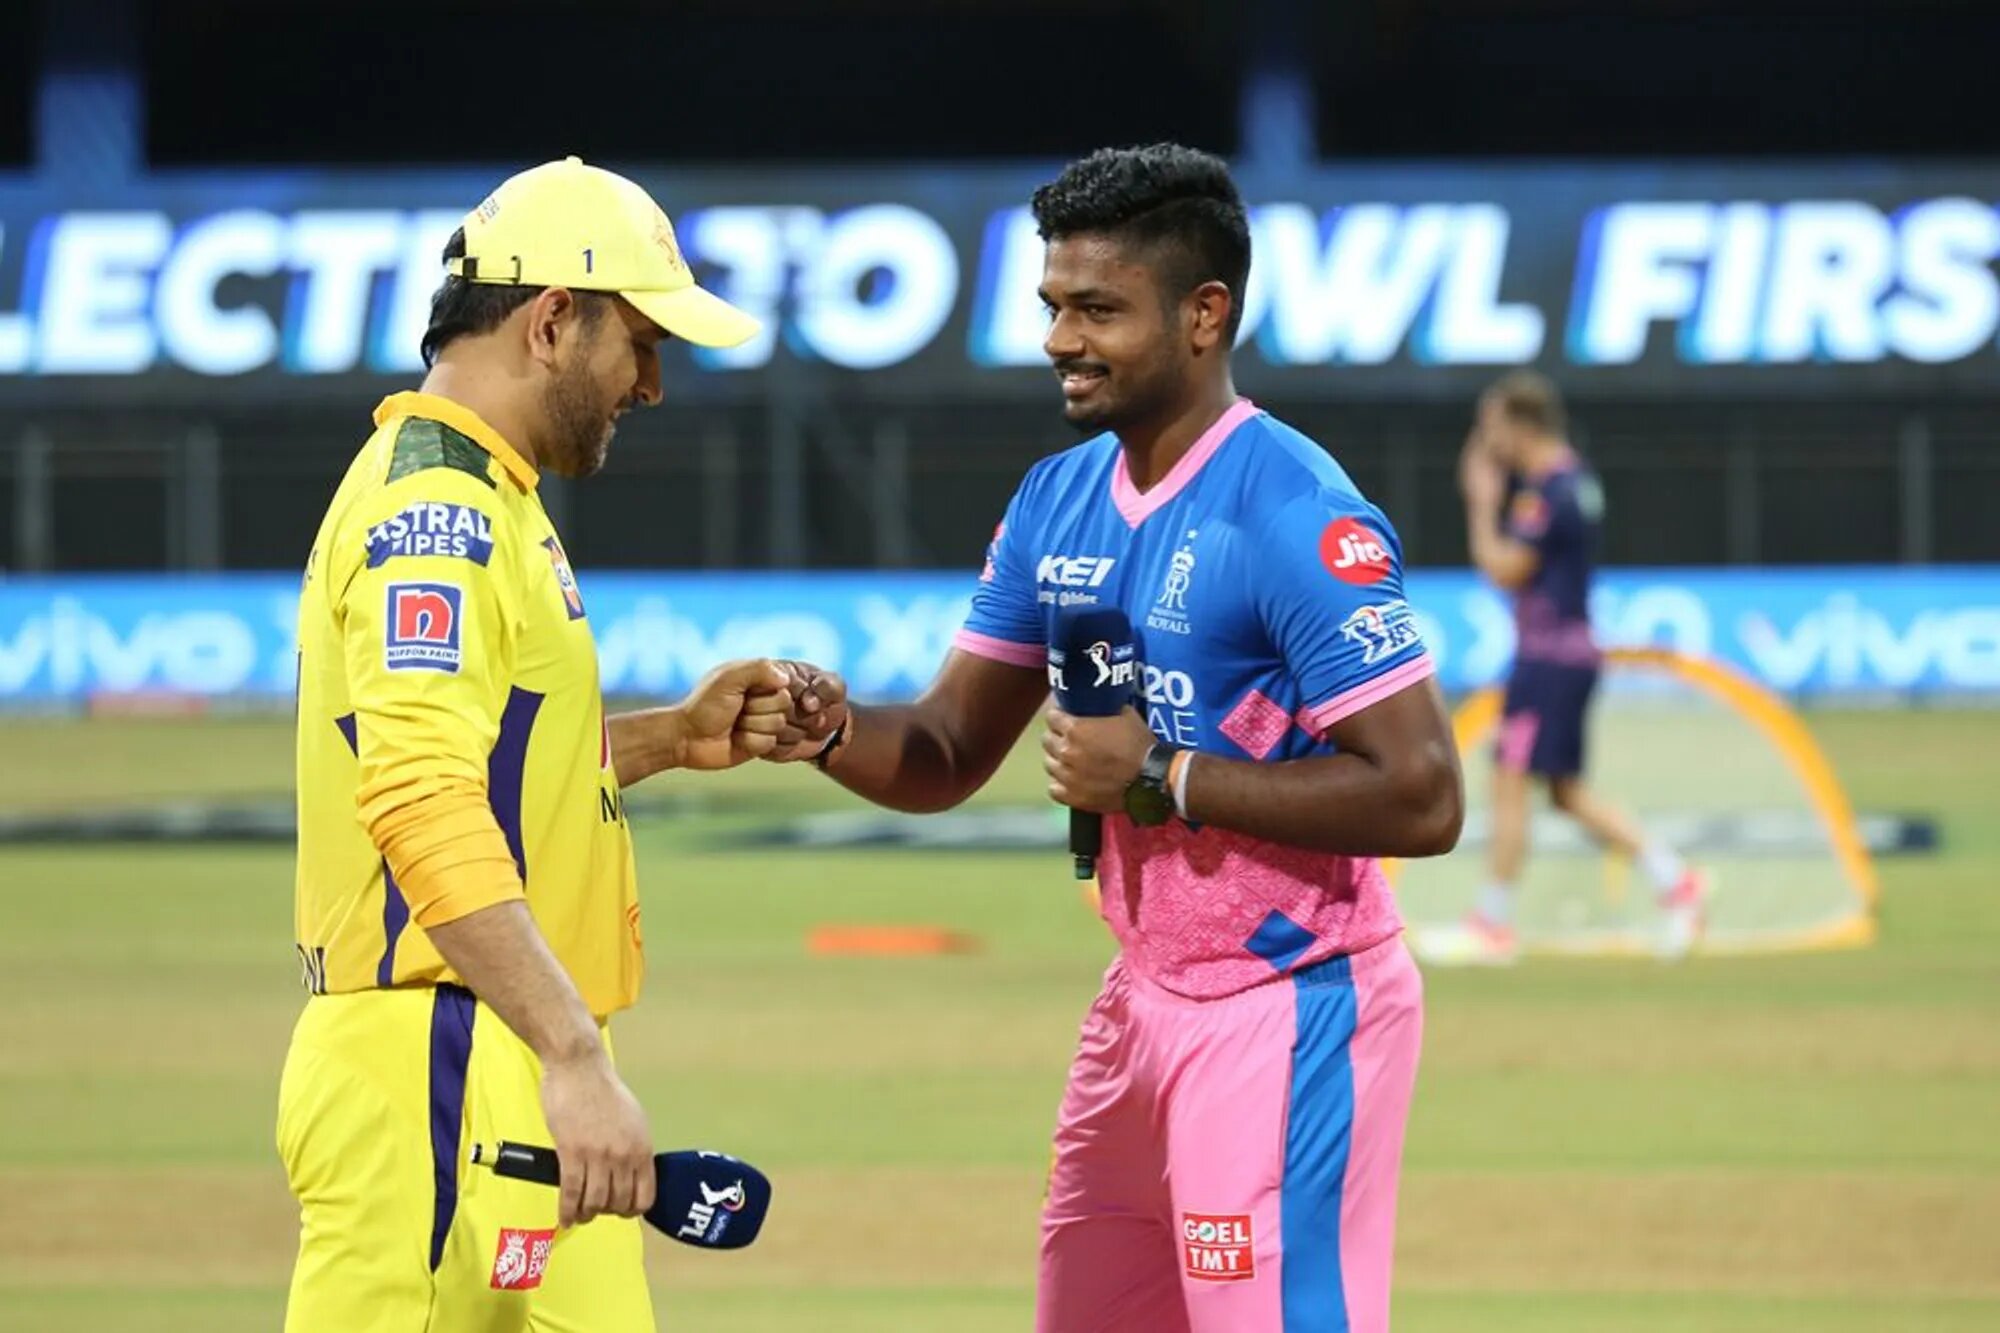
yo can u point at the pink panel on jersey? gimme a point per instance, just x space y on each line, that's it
1001 650
1256 724
1137 507
1184 903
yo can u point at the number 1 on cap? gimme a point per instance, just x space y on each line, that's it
586 261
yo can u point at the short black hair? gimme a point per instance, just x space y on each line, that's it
1175 200
461 309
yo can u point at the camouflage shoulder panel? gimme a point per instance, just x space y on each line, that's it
423 443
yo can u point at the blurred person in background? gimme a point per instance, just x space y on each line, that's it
1228 1149
1533 511
467 917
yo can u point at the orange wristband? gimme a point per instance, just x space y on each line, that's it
1177 776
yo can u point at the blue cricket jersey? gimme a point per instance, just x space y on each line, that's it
1267 597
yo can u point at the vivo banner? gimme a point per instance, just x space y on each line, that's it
1924 632
1411 282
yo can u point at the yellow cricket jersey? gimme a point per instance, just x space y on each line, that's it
450 728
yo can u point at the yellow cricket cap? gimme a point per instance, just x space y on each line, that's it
564 224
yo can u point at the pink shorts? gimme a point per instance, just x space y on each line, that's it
1230 1166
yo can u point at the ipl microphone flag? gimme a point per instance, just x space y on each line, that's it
1094 672
706 1199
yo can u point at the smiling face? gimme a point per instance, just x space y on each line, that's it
1118 344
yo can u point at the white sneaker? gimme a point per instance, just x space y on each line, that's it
1686 907
1473 942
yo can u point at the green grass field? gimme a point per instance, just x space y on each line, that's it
1802 1143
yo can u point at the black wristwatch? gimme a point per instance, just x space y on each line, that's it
1147 799
834 745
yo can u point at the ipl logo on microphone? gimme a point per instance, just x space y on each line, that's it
1114 666
1111 665
708 1217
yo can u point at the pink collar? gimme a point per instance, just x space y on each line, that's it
1137 507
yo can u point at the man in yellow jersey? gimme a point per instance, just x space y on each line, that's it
467 916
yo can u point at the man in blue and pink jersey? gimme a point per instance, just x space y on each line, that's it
1533 511
1228 1148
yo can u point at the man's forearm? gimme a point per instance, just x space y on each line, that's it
1482 534
649 741
1344 803
504 959
1496 555
900 758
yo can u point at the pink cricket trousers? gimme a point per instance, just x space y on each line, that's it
1230 1166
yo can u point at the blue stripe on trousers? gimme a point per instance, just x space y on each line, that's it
452 1011
1319 1132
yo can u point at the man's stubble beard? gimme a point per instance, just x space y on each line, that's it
578 427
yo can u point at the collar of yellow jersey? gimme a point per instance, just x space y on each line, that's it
466 422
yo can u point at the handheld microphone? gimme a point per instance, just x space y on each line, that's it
706 1199
1094 672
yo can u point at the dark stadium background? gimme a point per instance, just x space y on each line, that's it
1881 474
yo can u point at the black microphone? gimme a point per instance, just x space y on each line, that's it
706 1199
1094 672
